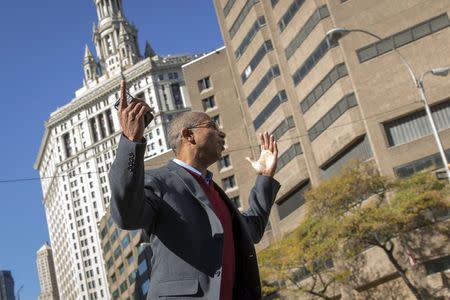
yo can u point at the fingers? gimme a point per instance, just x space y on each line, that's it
123 95
271 143
264 140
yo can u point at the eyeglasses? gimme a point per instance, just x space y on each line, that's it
209 124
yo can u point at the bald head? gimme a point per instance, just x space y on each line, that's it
184 120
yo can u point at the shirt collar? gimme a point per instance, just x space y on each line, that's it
207 177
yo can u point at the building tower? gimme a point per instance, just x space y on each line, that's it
6 286
46 272
80 140
116 40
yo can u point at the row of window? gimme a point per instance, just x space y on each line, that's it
241 17
347 102
228 6
289 14
358 149
300 37
288 155
259 55
416 125
421 164
276 101
283 127
404 37
260 22
273 72
311 61
293 201
334 75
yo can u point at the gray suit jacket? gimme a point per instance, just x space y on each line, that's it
185 234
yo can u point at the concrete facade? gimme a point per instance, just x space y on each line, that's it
354 100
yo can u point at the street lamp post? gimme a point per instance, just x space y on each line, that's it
335 34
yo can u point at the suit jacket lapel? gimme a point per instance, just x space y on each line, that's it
196 190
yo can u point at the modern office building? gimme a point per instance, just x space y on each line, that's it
6 286
78 145
46 273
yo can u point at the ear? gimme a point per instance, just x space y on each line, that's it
188 135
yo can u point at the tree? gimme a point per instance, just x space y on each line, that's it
346 214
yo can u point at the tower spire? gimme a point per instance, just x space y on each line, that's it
115 39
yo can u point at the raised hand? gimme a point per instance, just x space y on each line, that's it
131 116
267 162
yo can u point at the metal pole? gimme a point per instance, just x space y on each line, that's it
433 127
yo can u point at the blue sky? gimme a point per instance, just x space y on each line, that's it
41 67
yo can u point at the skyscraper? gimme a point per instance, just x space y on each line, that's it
6 286
47 275
80 139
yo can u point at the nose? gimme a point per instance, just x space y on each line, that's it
222 134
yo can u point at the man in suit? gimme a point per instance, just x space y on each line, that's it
203 247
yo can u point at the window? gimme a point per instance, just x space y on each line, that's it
296 199
402 38
224 162
216 119
260 22
358 149
437 265
273 72
121 269
421 164
288 155
208 103
334 75
67 145
204 84
265 48
101 121
416 125
241 17
117 252
123 286
283 127
228 6
300 37
228 183
276 101
311 61
332 115
114 236
93 126
132 278
289 14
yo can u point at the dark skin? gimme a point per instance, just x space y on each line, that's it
200 147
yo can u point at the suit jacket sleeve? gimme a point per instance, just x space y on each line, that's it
134 199
260 202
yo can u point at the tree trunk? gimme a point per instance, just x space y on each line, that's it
393 260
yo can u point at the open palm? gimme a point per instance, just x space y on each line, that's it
267 162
